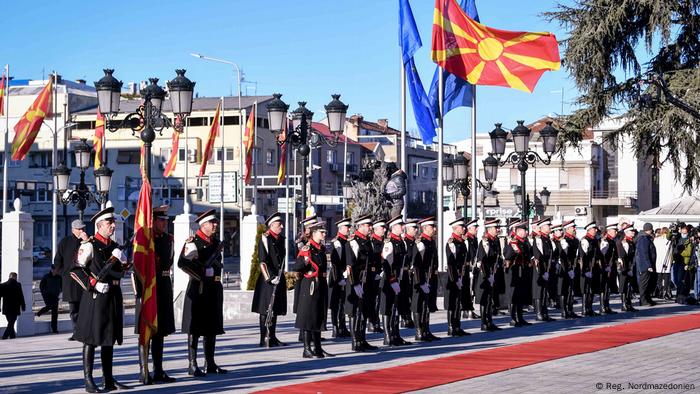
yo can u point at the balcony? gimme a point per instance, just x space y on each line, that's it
615 198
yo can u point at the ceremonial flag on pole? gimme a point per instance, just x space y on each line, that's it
145 260
209 147
28 127
172 162
3 82
410 42
249 143
98 138
457 91
282 172
486 56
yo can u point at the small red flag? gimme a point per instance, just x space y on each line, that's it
172 162
282 172
97 139
3 82
28 127
209 147
249 143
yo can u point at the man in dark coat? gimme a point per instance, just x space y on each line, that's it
590 256
394 256
12 303
572 256
425 280
337 280
645 260
488 256
359 255
312 310
544 273
50 287
471 272
100 265
456 253
373 289
272 255
518 258
202 313
164 248
627 273
409 238
65 261
302 240
566 278
609 256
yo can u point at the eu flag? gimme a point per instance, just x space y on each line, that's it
458 92
409 39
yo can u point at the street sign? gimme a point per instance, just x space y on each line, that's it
125 213
500 212
285 208
230 187
323 199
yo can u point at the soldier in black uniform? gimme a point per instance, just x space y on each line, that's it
425 279
373 289
470 272
99 268
609 257
488 256
312 311
626 266
164 248
589 253
272 256
573 262
394 262
456 253
518 259
358 252
300 242
566 276
65 262
202 313
545 270
337 280
409 238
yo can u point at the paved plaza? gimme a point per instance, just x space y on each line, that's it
50 363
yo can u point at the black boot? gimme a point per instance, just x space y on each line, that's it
570 306
342 328
545 313
484 319
274 341
387 331
491 325
629 306
564 308
354 344
157 350
263 331
396 333
408 322
519 312
514 322
429 334
301 336
308 353
539 316
209 347
192 344
363 335
106 355
88 362
144 376
334 322
457 325
420 335
450 322
318 350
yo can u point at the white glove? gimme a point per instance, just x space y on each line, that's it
342 282
459 283
425 287
545 276
607 269
345 274
274 280
491 280
589 275
85 253
377 277
102 287
191 251
209 272
396 287
358 290
119 255
630 273
571 274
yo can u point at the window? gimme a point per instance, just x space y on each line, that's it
563 178
165 154
40 159
350 158
571 178
43 192
181 154
197 122
42 229
130 156
270 157
424 172
331 156
256 155
11 163
434 172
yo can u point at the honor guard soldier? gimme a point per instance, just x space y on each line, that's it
202 313
470 271
312 311
164 251
372 295
270 296
300 242
488 256
456 252
609 260
425 279
574 260
337 280
406 283
589 254
394 261
566 277
517 262
359 253
626 267
544 270
100 265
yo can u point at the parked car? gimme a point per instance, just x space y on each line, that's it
41 253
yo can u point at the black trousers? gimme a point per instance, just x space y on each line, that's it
646 285
10 330
54 315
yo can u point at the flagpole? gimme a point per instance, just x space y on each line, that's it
223 156
286 200
440 203
187 160
7 133
404 144
255 162
474 173
296 184
54 156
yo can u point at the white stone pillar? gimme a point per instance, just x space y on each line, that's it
249 230
17 245
184 226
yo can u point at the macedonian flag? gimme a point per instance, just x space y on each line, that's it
486 56
28 127
98 138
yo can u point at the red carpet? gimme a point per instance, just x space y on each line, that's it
444 370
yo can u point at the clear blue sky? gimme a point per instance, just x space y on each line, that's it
304 49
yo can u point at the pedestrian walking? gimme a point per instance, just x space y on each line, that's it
12 304
50 288
64 261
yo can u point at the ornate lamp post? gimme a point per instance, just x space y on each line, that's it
456 176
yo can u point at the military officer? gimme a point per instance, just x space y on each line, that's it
456 253
589 253
565 278
609 260
488 256
573 261
202 313
359 255
425 279
100 266
372 295
409 238
394 261
545 270
518 260
626 267
302 240
312 311
470 272
337 280
164 251
272 254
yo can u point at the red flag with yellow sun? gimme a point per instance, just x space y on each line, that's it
483 55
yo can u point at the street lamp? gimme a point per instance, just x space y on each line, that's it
302 137
522 157
456 176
